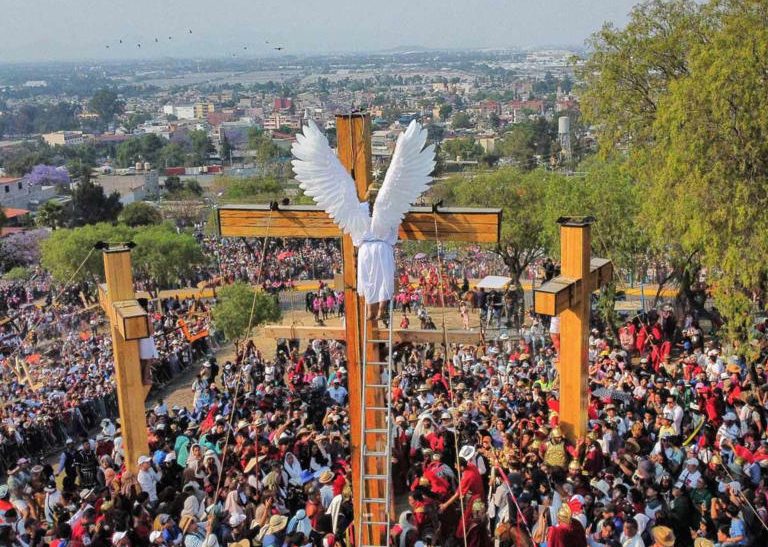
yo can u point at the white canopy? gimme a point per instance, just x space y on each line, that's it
494 282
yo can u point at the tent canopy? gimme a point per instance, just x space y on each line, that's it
494 282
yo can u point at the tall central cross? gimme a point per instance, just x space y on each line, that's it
568 296
421 223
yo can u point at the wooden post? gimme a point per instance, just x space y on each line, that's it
130 390
353 133
575 244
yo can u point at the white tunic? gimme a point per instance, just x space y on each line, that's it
375 265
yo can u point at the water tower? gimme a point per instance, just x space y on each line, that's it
564 136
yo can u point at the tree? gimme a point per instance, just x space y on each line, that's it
239 307
464 148
90 205
461 120
48 175
65 250
51 214
445 111
107 105
172 155
226 148
192 186
677 89
140 213
201 147
173 184
166 256
522 198
21 249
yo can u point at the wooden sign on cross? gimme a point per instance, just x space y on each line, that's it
128 322
568 296
421 223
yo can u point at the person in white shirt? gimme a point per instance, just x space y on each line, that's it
630 535
148 478
690 475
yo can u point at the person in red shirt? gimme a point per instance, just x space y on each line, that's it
81 529
471 488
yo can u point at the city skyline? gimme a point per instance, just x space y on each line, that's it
47 30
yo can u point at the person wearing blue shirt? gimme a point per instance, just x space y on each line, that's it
338 392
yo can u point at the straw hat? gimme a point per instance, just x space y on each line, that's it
326 477
276 523
564 514
241 543
185 522
663 536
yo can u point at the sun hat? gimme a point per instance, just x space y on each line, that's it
276 523
663 536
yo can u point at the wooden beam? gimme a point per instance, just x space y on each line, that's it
128 316
555 296
354 150
413 336
130 389
574 332
453 224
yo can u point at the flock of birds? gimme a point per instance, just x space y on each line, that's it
122 42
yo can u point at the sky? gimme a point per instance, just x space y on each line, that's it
53 30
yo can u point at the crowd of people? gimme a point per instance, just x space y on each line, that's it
676 451
57 372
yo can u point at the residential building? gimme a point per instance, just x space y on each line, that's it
17 192
203 109
182 112
65 138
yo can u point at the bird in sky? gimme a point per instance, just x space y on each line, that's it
156 40
190 31
138 45
279 48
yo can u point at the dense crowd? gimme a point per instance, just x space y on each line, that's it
57 374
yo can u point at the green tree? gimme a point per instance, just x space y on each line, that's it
65 250
239 307
166 256
676 88
445 111
173 184
522 198
192 186
461 120
172 155
107 105
201 147
51 214
226 148
465 148
140 213
90 205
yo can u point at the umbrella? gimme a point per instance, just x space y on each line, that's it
605 393
419 256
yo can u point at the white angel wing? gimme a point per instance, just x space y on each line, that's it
324 179
406 179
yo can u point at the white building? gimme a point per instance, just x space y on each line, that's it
182 112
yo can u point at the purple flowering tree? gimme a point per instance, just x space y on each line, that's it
48 175
21 249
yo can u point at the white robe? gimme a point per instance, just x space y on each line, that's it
375 265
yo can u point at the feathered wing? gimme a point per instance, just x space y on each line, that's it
406 179
324 179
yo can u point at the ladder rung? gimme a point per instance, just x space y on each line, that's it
376 430
376 477
374 500
375 522
377 386
375 453
383 408
382 363
378 341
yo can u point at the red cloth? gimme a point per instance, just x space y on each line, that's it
471 482
567 535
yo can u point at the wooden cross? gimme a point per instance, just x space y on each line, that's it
128 323
569 297
475 225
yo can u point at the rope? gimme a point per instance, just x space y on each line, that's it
240 371
53 304
445 359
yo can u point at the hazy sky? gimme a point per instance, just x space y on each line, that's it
38 30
